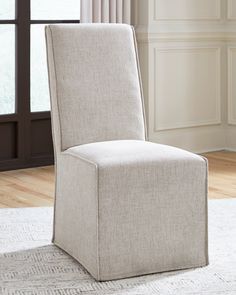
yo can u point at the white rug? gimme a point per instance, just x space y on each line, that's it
30 264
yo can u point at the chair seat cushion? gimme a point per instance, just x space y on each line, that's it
125 152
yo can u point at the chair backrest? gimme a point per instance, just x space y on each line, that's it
95 86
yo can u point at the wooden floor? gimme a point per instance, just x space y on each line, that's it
35 187
32 187
222 174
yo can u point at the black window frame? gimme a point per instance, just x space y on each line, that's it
26 135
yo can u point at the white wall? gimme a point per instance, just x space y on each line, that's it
187 54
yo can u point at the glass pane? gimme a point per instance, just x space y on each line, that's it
55 9
7 69
7 9
39 77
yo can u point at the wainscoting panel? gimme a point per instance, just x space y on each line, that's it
187 90
232 85
231 10
187 9
189 86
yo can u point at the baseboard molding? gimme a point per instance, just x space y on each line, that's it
215 150
199 152
230 149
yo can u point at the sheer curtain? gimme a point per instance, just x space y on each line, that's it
105 11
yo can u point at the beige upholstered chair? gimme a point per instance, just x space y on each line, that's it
124 206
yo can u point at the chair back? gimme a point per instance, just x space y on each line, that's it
95 85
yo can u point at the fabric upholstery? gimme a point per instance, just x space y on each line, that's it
123 206
151 207
76 214
96 81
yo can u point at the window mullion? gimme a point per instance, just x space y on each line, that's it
23 76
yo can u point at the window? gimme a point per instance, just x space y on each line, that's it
25 127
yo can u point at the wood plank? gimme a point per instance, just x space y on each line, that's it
222 174
32 187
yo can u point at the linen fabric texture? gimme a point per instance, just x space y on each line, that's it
123 206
